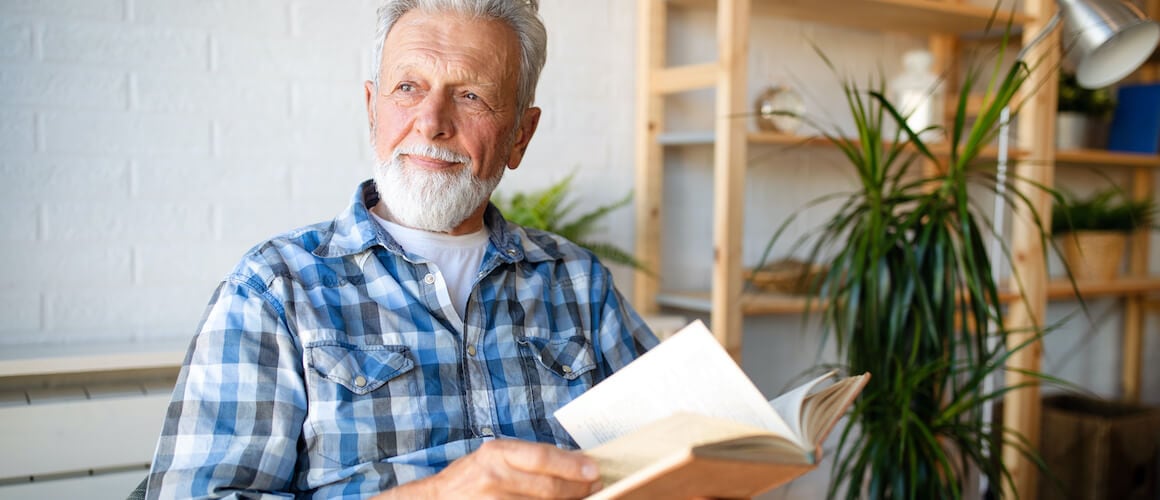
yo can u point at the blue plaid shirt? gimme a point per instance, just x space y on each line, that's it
327 366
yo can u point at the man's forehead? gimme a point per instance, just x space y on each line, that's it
462 45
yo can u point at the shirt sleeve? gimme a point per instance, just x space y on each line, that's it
623 336
233 425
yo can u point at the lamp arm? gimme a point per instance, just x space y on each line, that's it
1042 35
1004 148
997 223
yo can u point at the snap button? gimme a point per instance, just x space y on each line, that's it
360 381
471 350
566 369
486 431
512 252
429 279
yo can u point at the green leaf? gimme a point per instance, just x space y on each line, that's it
549 209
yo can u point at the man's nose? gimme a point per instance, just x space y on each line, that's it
434 117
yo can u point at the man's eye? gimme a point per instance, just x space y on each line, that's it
406 87
471 96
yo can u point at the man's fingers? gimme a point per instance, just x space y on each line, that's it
534 485
546 459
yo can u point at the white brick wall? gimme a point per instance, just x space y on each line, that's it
145 144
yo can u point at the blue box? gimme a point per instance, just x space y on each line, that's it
1136 123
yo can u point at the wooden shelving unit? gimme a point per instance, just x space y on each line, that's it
943 21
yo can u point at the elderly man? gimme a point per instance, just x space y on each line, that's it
417 345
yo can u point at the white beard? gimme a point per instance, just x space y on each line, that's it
434 201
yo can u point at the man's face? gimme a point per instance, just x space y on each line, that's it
450 82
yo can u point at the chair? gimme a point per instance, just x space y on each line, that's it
139 492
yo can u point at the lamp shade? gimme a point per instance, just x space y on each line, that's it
1106 40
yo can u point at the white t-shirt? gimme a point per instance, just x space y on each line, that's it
456 259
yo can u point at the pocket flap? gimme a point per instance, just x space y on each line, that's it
568 357
359 368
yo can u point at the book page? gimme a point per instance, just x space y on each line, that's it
822 410
689 372
789 405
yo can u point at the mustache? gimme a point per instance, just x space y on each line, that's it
432 151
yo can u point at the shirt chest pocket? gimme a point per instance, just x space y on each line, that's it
565 364
364 402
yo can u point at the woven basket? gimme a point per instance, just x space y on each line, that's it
1094 255
785 276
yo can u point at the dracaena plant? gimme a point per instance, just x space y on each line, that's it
909 294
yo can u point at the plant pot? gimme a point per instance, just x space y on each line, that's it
1075 130
1093 255
1071 130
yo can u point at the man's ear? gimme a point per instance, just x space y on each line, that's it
528 124
369 87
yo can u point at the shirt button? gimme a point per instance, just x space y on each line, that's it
512 252
360 381
486 431
471 350
429 279
566 369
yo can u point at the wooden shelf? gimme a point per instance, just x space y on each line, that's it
763 303
1106 158
938 148
752 303
1060 289
922 17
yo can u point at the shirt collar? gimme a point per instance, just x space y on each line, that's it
354 231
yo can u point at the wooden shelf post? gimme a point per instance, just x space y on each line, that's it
729 157
1036 133
650 59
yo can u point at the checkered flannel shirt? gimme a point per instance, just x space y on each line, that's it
326 365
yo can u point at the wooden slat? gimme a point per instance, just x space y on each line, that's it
1132 371
922 17
763 303
752 304
651 26
1123 286
1070 157
729 158
78 436
1022 408
684 78
1105 158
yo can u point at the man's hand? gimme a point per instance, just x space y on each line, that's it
508 469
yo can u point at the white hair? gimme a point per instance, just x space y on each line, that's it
521 15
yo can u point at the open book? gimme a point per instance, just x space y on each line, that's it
684 420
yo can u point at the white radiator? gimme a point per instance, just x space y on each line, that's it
81 426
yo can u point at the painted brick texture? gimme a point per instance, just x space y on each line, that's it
145 144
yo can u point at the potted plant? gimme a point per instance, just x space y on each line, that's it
548 209
909 296
1083 114
1092 232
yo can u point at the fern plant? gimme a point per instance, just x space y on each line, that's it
549 209
1107 210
